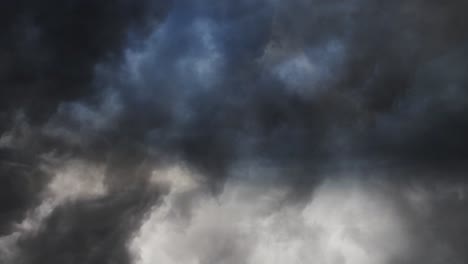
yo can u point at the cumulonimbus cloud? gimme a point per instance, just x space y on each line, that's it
254 131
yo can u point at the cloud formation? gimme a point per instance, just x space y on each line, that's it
252 131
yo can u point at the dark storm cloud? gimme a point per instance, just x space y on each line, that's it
300 82
429 122
21 183
167 91
310 80
49 51
89 231
49 48
306 87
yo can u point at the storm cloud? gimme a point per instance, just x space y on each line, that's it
252 131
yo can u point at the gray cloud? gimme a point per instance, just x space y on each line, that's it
233 132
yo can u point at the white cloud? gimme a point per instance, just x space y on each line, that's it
346 221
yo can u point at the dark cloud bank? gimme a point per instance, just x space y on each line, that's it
252 131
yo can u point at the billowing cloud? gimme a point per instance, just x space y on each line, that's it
252 131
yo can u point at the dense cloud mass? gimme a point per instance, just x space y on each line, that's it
251 131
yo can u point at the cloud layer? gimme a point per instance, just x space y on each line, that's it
254 131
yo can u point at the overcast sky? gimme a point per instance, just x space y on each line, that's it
233 132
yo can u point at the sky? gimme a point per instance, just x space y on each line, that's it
233 132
